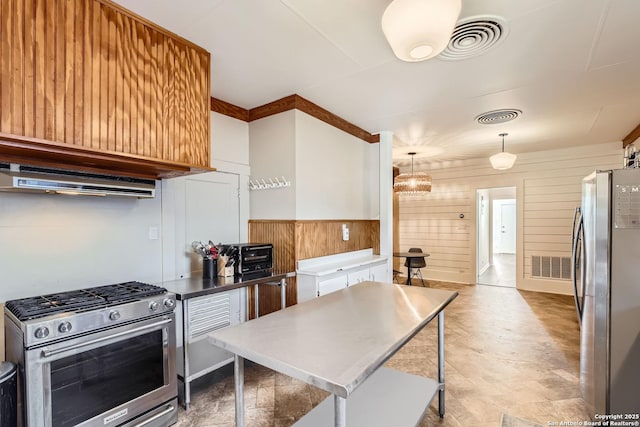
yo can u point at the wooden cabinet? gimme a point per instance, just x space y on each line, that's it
86 82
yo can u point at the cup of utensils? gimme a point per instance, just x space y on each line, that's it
209 253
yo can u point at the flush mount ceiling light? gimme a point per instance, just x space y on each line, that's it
419 29
502 161
413 183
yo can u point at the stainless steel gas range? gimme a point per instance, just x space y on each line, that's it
101 356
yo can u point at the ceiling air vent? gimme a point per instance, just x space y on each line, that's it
498 116
473 36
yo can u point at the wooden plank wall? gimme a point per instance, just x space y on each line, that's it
324 237
282 235
294 240
89 73
549 185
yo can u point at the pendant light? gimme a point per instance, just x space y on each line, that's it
419 29
413 183
503 160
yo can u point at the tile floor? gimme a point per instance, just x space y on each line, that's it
507 351
501 273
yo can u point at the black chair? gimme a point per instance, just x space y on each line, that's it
396 273
416 265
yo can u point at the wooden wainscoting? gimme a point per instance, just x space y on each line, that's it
282 235
294 240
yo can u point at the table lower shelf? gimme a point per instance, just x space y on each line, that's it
387 398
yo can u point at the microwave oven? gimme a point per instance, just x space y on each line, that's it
253 259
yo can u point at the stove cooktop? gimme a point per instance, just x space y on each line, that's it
81 300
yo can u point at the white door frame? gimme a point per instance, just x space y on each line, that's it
499 182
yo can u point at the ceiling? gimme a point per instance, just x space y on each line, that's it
571 66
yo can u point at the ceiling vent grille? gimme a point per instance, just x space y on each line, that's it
498 116
474 36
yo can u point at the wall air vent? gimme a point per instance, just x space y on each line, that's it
551 267
473 36
498 116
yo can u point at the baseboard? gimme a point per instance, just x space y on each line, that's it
548 286
483 269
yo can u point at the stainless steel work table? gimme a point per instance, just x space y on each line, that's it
199 313
336 342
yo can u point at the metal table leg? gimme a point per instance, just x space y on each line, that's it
409 271
255 302
340 411
441 363
238 365
283 294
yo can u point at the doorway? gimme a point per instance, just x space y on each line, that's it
496 230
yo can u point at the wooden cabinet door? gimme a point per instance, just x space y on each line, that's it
91 74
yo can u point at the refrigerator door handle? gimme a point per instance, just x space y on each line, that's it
577 216
577 254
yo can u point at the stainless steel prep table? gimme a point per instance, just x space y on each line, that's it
336 342
206 305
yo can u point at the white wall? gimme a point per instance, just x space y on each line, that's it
333 172
51 243
548 188
334 175
272 154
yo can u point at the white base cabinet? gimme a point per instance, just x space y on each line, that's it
332 285
323 275
378 273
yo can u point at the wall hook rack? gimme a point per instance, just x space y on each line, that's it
262 184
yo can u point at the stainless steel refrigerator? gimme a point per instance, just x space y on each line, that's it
606 257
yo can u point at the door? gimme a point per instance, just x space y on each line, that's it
594 333
496 233
202 207
507 227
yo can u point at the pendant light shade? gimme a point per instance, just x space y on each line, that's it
413 183
503 160
419 29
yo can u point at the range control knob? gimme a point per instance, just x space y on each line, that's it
114 315
41 332
153 306
64 327
169 303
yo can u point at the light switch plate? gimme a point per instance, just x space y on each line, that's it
153 233
345 232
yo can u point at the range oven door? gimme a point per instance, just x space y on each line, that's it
104 379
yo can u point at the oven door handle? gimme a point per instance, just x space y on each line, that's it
168 410
49 353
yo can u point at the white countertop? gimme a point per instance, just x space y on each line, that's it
336 341
324 269
344 261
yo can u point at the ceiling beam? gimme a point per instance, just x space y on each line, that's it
633 135
228 109
289 103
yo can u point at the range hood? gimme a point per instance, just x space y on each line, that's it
20 178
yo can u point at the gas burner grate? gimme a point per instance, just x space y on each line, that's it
81 300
